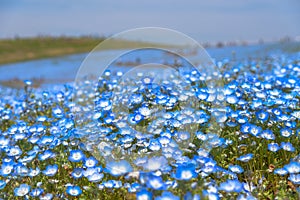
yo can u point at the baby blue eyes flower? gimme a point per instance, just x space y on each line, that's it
280 171
50 170
73 190
22 190
236 169
231 186
76 156
273 147
155 182
36 192
14 151
118 168
292 167
167 196
145 111
285 132
90 162
6 169
262 116
185 172
2 184
287 146
46 155
295 178
144 195
245 158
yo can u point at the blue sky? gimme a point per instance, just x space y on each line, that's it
213 20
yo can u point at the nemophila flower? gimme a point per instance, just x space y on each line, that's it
155 163
236 169
147 80
155 182
57 112
185 172
89 171
268 134
77 173
46 140
2 184
6 169
73 190
167 196
145 111
118 168
46 155
4 142
280 171
246 158
296 114
36 192
95 177
255 130
90 162
231 186
50 170
273 147
144 195
34 172
76 156
22 190
262 115
295 178
14 151
285 132
287 146
292 167
245 128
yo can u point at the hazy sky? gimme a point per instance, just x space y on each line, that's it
212 20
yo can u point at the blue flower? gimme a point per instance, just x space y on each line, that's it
255 130
155 163
280 171
118 168
285 132
50 170
96 177
262 115
273 147
155 182
90 162
6 169
268 134
77 173
14 151
144 195
245 158
185 172
292 167
295 178
167 196
22 190
287 146
2 184
231 186
73 190
46 155
236 169
36 192
76 156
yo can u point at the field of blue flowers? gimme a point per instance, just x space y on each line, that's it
173 140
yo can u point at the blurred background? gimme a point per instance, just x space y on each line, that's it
41 39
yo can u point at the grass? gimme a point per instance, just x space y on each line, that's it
24 49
